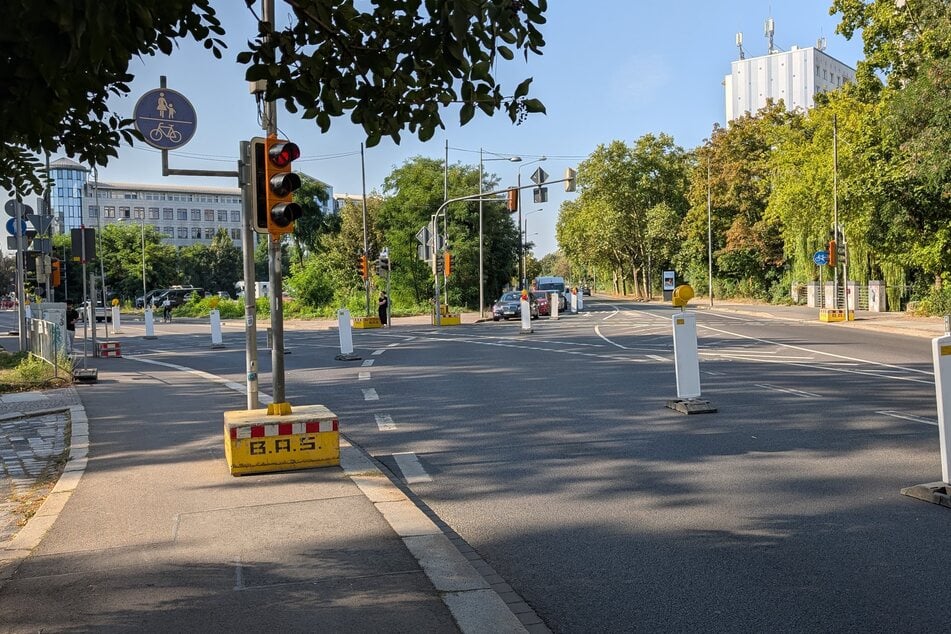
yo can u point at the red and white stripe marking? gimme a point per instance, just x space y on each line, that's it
283 429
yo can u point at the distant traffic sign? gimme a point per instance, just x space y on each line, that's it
821 258
11 227
165 118
539 176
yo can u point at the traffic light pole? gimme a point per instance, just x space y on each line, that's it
250 303
276 303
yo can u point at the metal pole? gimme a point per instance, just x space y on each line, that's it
518 183
435 236
709 233
366 238
481 272
445 221
274 259
102 266
250 305
21 275
835 207
49 232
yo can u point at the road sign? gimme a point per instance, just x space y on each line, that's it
11 227
11 208
165 118
423 235
821 258
540 195
539 176
42 223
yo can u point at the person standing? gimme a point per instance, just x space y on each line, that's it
72 315
167 310
382 308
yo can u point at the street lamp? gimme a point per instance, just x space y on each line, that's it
144 292
524 261
482 159
521 272
709 229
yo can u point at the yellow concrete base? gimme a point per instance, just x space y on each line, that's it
367 322
258 443
836 314
449 320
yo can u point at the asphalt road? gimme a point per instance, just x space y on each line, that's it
554 456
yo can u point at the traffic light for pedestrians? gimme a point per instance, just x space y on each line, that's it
56 273
447 263
273 184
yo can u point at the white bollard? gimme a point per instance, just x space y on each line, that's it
116 324
554 301
686 357
346 332
215 317
941 350
149 324
526 311
574 301
580 300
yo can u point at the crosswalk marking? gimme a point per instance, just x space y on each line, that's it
385 422
410 467
370 395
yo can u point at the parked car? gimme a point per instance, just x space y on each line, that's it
102 313
551 284
509 306
544 303
178 295
142 302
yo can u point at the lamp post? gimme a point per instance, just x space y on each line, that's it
525 242
482 159
709 229
518 182
144 292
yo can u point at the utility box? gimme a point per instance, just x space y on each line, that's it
877 300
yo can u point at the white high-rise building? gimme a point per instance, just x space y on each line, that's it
794 76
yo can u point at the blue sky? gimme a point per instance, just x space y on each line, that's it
611 69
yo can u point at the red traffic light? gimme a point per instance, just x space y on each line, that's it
282 154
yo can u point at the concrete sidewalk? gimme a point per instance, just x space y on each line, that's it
159 536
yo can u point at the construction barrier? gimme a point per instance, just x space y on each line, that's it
258 443
110 349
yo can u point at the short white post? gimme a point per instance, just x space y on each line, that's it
574 300
526 311
554 300
346 332
580 300
215 317
941 349
116 324
149 324
686 357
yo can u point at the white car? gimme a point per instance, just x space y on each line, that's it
102 314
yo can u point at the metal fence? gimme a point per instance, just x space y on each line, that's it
48 343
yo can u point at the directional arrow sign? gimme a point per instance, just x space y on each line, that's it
539 176
42 223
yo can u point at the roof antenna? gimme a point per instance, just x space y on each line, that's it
739 44
770 28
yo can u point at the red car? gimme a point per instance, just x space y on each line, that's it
544 307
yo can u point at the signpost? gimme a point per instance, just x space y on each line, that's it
165 118
821 258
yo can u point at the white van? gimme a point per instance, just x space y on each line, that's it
550 284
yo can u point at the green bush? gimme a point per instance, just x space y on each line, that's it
936 302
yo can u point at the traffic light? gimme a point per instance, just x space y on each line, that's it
362 267
56 273
447 263
273 184
382 266
570 179
833 255
512 203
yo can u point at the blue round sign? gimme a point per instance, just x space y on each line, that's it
11 226
165 118
821 258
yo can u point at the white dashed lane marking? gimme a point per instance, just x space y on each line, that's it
363 376
787 390
914 419
385 422
378 352
370 395
412 471
368 362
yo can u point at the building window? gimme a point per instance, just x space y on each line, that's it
154 213
209 233
169 231
196 214
124 212
183 233
168 213
209 215
235 216
222 215
196 233
108 212
183 214
139 213
236 234
94 212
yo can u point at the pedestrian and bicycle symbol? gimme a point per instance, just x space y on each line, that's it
821 258
165 118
